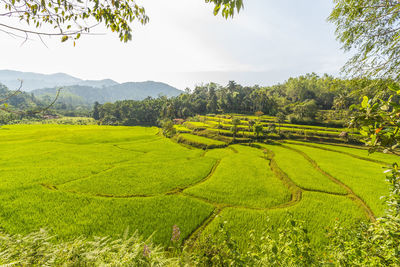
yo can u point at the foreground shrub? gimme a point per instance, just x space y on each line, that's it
39 250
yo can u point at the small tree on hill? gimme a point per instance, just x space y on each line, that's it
258 129
234 128
96 114
280 118
168 128
251 125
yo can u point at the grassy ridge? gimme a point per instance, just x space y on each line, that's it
199 141
243 179
302 172
384 157
366 179
319 211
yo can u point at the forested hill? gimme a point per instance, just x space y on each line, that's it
87 95
32 81
21 101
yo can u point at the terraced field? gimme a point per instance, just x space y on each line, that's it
99 180
220 125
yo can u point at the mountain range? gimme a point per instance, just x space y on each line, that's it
78 91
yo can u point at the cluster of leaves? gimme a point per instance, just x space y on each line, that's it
379 120
227 7
376 244
168 128
70 19
371 27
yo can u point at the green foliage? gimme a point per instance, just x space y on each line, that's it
258 129
306 111
227 7
168 128
70 20
379 121
38 249
316 107
16 101
369 27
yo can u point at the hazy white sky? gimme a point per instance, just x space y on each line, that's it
184 45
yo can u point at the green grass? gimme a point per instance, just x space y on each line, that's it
148 178
243 179
99 180
319 211
301 172
71 215
194 125
199 141
365 178
100 160
182 129
384 157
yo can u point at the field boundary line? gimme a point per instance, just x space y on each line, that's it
205 179
127 149
233 149
195 234
342 152
235 206
296 191
324 192
55 186
173 191
351 195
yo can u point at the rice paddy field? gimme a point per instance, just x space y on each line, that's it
89 180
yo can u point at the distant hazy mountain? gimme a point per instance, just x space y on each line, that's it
126 91
32 81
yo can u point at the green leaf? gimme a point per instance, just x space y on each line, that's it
364 103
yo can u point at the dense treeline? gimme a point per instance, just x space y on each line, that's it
299 99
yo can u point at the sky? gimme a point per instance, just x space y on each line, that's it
185 45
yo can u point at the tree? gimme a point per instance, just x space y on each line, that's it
70 19
306 110
234 128
96 114
251 124
371 28
280 118
212 105
258 129
168 128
